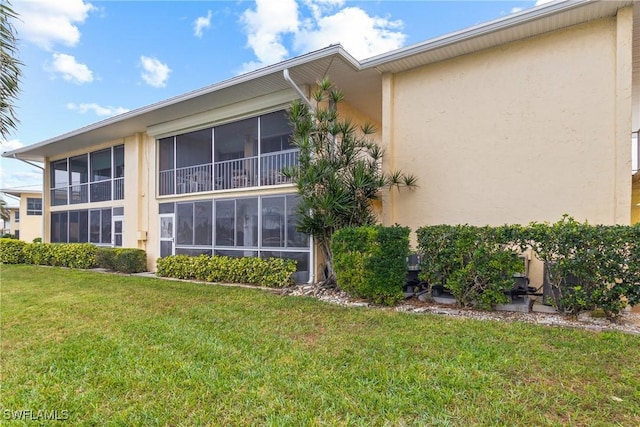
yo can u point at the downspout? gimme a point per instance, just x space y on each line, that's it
312 252
43 192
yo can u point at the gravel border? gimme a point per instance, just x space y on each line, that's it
627 322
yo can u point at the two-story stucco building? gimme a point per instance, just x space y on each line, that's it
520 119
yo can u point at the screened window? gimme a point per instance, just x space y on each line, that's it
275 132
34 206
244 227
16 216
247 153
59 227
59 182
92 177
193 148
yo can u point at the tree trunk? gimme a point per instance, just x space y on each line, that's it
330 279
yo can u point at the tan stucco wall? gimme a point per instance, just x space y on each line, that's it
522 132
30 226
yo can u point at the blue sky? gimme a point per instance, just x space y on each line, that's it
85 61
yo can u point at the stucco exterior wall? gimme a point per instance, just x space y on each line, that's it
30 226
523 132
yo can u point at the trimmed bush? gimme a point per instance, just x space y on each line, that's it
123 260
39 253
371 262
74 255
105 258
272 272
130 260
476 264
11 251
588 266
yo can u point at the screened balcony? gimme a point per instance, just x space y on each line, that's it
248 153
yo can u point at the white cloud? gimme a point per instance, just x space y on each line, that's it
271 24
539 2
97 109
9 145
265 27
361 35
71 70
49 22
155 72
516 9
201 23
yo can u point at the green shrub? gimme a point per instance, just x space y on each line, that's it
11 251
39 253
273 272
176 266
105 258
370 262
476 264
74 255
588 266
130 260
37 240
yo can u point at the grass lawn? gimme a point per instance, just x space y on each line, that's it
120 350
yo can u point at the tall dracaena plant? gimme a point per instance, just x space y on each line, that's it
339 172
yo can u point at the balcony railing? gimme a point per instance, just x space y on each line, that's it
228 174
118 189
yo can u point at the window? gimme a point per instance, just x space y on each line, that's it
79 176
82 226
250 226
34 206
59 182
247 153
59 227
16 216
17 234
92 177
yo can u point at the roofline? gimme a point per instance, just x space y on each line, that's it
330 50
520 18
486 28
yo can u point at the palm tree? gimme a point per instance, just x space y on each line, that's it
9 70
339 172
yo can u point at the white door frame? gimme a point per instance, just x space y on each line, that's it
167 235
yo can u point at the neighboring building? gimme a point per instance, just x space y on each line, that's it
26 219
521 119
11 225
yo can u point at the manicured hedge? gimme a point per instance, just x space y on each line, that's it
11 251
123 260
371 262
587 266
72 255
476 264
272 272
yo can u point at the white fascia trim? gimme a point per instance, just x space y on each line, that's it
229 113
476 31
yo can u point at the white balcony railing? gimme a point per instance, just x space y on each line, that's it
228 174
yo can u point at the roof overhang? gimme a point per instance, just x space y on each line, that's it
361 81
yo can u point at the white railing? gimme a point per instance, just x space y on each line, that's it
237 173
228 174
193 179
271 166
118 188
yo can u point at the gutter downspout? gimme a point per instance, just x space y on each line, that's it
312 253
43 192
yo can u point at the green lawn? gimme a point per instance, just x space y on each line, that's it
120 350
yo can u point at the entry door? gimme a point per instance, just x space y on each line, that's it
167 231
118 227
